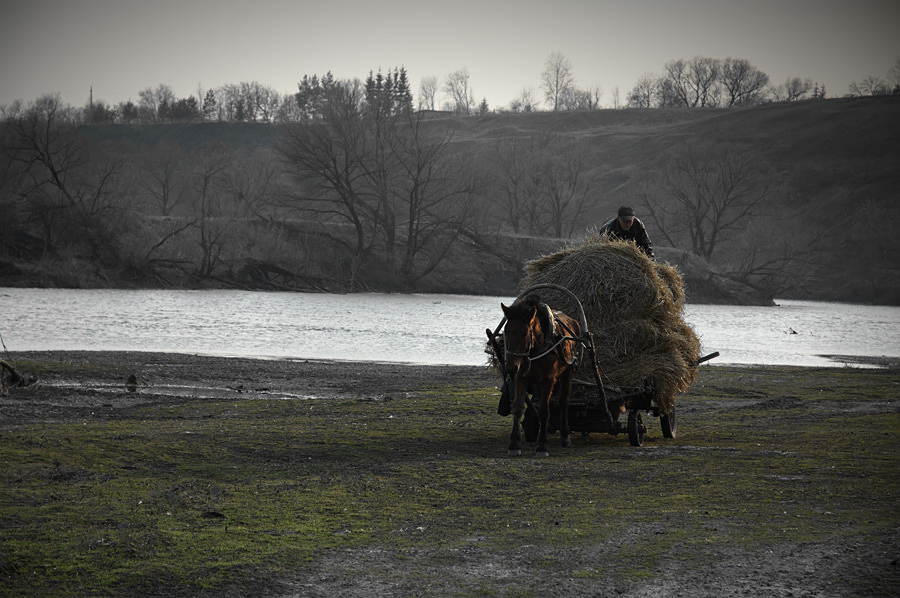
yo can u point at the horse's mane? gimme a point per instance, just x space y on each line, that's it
524 305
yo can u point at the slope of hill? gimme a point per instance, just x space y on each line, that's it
834 175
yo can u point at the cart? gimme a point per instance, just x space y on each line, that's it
588 397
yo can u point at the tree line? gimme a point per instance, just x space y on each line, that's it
354 186
704 82
684 83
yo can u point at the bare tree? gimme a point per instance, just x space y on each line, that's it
690 84
512 158
428 89
568 186
260 102
162 174
525 102
793 89
596 95
247 102
548 184
557 79
742 82
674 85
154 103
580 99
386 176
432 195
774 265
73 196
327 156
232 105
893 77
704 80
644 92
711 195
250 184
288 110
522 164
458 88
213 214
870 86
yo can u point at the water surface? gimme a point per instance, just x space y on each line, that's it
425 329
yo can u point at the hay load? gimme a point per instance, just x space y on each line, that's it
633 306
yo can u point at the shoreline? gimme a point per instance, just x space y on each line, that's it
839 361
122 379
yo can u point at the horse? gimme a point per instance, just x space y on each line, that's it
540 351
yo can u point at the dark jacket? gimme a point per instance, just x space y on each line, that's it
636 233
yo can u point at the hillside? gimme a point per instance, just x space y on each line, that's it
835 152
835 176
830 206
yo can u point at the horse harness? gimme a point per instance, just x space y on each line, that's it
556 338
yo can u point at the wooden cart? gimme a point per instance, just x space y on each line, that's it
586 402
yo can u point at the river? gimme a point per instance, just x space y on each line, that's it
424 329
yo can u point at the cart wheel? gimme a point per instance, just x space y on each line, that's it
636 428
530 424
668 424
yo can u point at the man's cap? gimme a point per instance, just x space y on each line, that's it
626 212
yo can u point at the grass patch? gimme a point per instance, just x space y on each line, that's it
218 497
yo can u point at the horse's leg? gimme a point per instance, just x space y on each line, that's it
515 437
565 390
544 390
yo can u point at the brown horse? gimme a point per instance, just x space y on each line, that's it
539 346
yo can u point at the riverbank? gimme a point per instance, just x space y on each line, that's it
492 266
252 477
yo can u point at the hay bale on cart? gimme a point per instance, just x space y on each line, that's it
633 306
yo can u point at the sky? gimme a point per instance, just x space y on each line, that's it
119 47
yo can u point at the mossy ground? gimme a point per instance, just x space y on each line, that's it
412 493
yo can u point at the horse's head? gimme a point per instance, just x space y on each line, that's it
521 330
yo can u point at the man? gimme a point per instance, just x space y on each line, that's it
628 228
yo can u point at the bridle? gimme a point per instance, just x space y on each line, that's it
530 346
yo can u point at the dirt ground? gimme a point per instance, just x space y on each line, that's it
92 379
781 481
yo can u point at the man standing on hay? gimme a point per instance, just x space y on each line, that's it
628 228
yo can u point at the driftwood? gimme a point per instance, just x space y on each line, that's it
10 378
266 275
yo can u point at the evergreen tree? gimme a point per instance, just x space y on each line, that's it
210 106
388 94
184 109
483 107
129 111
164 111
371 88
311 94
375 96
100 112
402 94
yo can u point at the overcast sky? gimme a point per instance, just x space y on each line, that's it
123 46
